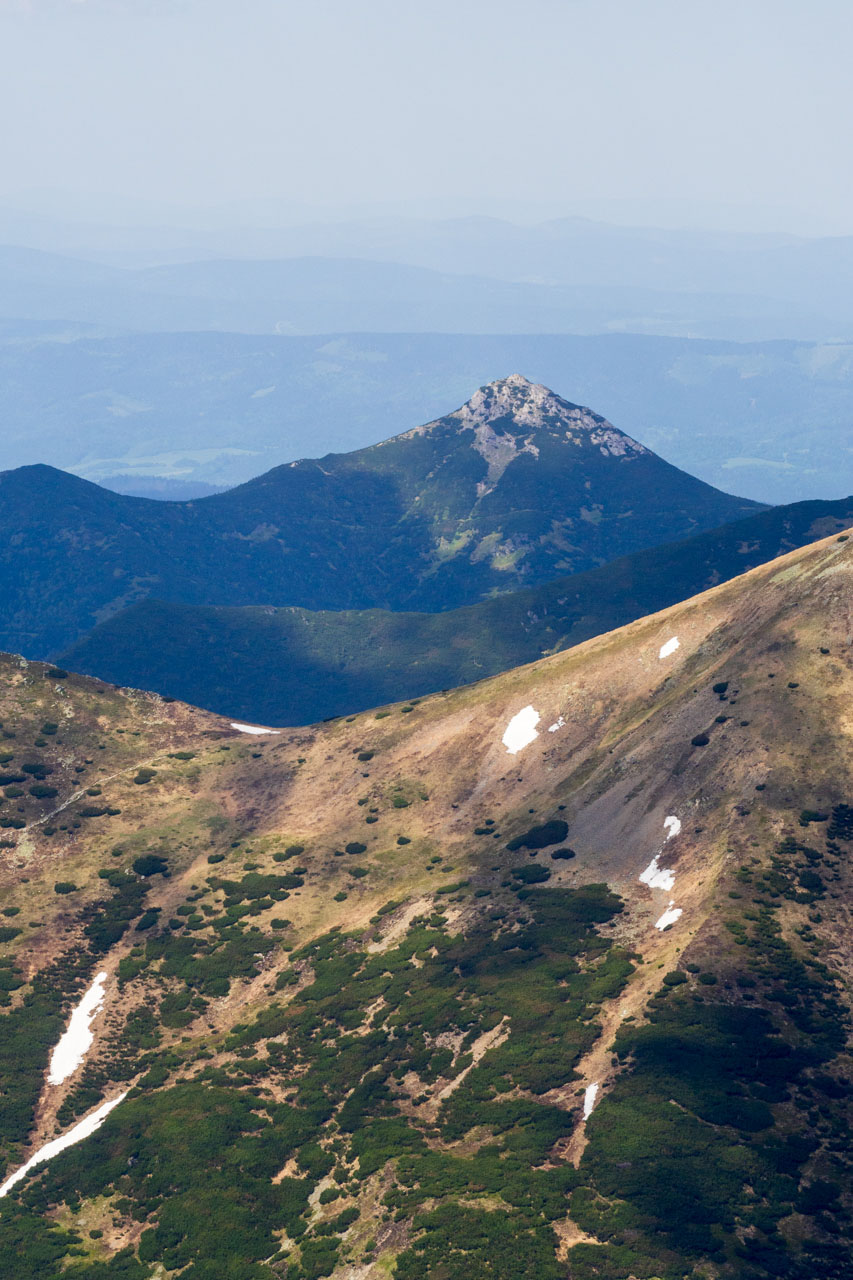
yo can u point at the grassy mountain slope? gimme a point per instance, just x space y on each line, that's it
290 666
362 977
514 488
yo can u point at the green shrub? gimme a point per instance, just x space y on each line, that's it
150 864
540 837
65 886
36 769
531 874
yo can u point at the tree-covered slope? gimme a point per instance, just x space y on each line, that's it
544 977
516 487
293 666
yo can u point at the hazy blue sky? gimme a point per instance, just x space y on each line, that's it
458 105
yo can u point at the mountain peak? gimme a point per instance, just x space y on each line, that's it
518 399
512 415
516 406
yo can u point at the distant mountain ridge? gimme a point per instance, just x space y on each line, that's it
516 487
569 275
732 414
291 666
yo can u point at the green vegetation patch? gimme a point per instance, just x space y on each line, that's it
553 832
699 1151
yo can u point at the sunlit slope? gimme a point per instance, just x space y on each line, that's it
543 977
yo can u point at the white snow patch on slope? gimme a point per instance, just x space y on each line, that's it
589 1100
251 728
656 878
669 917
654 875
84 1129
521 730
77 1040
558 724
668 648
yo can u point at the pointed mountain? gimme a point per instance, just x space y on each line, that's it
518 486
516 409
515 488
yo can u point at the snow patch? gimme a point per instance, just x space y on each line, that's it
589 1100
558 724
669 917
252 728
654 875
656 878
668 648
521 730
77 1040
84 1129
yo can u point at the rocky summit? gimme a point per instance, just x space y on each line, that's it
545 977
515 488
507 418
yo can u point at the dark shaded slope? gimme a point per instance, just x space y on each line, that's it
515 488
291 666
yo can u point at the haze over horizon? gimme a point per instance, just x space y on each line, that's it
205 115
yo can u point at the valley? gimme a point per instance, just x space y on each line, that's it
292 666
